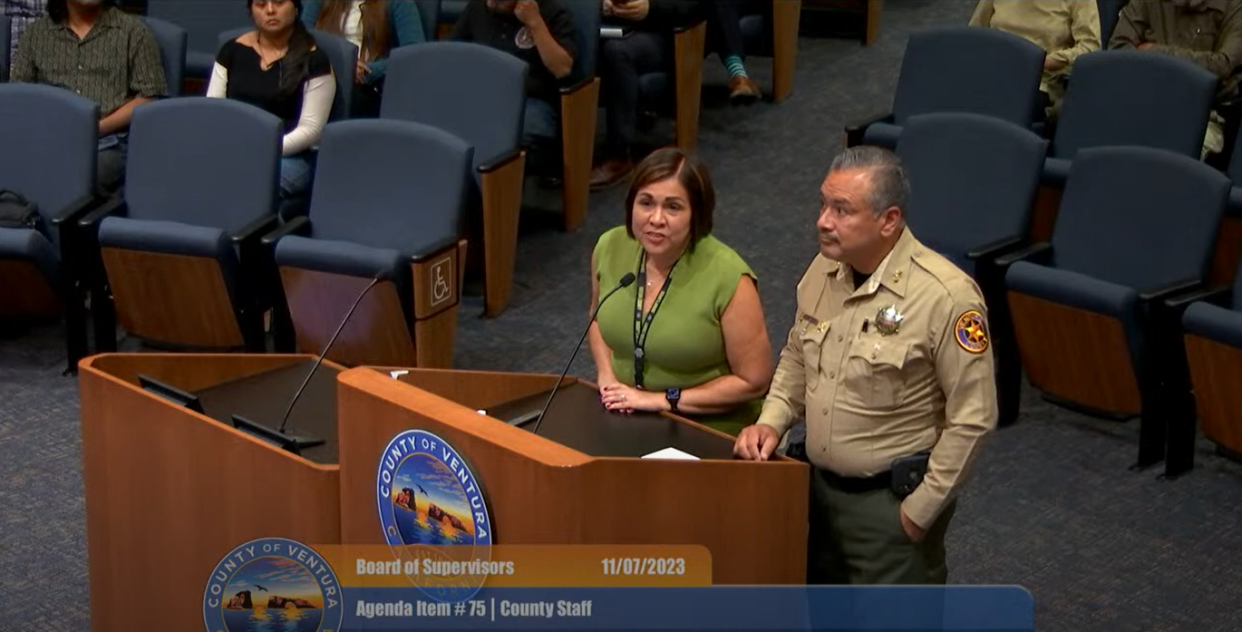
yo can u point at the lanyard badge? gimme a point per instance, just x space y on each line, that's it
642 324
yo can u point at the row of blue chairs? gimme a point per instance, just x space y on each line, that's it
1115 312
194 256
1114 97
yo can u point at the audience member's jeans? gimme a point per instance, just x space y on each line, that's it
110 166
724 28
296 173
541 133
621 62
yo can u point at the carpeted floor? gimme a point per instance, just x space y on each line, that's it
1052 506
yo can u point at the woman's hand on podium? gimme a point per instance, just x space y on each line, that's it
626 399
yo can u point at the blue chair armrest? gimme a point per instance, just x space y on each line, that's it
854 131
64 223
114 207
1056 172
75 210
255 231
1175 306
1040 253
499 161
1214 323
1161 294
996 249
434 249
300 225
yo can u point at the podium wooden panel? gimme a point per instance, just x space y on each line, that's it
169 492
751 516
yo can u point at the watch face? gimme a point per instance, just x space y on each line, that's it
674 393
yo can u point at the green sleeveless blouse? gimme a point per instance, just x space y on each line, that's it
685 343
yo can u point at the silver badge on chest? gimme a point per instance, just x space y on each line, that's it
888 320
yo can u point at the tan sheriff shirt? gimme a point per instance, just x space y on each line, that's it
871 394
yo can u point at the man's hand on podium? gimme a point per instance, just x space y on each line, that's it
757 442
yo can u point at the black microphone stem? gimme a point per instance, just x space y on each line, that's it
625 282
358 301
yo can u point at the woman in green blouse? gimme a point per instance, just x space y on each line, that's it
689 336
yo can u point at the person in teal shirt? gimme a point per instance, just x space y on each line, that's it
689 336
375 27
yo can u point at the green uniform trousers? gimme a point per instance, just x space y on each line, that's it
856 538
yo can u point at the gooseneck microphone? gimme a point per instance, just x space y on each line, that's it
625 281
358 301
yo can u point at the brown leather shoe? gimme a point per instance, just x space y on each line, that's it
610 172
743 91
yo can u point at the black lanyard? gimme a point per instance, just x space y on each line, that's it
642 325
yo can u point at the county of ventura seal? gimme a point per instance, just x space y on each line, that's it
430 504
273 584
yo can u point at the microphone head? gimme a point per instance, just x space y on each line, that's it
627 280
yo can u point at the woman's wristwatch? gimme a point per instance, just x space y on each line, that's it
673 395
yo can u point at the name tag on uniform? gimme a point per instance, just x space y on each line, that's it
809 321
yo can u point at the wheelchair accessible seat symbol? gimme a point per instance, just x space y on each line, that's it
441 281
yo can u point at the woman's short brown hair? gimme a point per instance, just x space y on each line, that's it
691 173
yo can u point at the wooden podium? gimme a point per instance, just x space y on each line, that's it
581 479
170 491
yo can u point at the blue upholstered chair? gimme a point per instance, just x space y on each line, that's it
1128 97
57 132
973 180
1235 175
6 32
182 251
424 85
1137 226
1212 333
172 42
959 69
203 21
390 253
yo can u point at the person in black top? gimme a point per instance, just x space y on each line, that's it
646 47
279 68
539 32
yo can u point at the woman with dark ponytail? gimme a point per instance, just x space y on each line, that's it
375 27
279 68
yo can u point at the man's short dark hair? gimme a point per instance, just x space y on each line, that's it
889 185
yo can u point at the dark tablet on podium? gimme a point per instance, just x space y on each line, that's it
171 393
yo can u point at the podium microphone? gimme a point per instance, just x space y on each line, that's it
625 281
358 301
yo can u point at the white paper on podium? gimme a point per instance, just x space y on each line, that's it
671 453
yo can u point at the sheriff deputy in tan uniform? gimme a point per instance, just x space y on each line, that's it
890 362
